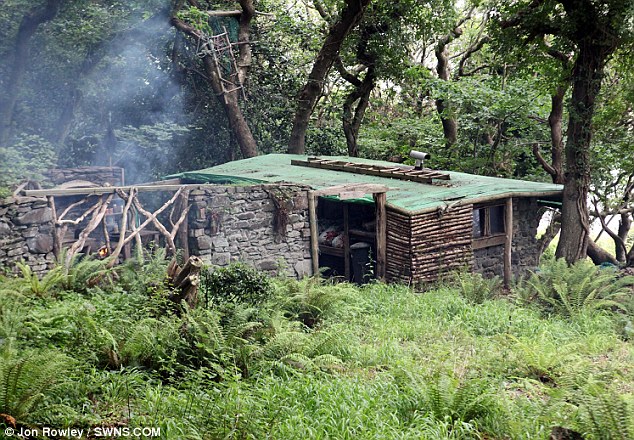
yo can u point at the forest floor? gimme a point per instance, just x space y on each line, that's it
313 359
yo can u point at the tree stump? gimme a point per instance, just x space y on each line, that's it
184 281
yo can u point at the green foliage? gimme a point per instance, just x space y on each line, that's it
466 406
30 283
571 290
237 283
605 415
380 361
83 272
26 379
26 159
312 300
475 288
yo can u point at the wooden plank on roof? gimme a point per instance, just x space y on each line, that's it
395 172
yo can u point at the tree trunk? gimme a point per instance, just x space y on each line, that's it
352 121
350 17
229 98
599 255
630 257
556 133
586 81
449 124
231 106
19 61
624 228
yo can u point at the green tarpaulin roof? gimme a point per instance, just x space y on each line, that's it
404 195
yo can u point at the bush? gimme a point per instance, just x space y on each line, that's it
237 283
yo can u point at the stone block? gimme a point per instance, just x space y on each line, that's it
220 259
260 196
300 202
36 216
204 242
303 268
196 232
245 216
219 242
267 265
5 229
30 232
40 244
17 251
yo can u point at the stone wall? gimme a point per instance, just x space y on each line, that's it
98 175
525 250
26 233
26 223
236 223
226 224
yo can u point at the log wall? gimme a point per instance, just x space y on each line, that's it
422 247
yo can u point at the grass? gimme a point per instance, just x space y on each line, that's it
317 360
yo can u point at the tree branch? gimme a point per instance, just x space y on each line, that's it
545 165
618 240
345 74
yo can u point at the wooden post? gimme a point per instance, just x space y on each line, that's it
508 227
312 219
346 240
183 231
57 241
381 234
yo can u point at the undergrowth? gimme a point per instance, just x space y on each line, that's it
314 359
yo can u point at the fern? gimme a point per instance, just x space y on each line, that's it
571 290
85 272
447 399
605 416
30 283
311 300
541 358
475 288
25 380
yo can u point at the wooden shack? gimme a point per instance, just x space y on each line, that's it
415 223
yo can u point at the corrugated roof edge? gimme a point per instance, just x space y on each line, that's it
475 200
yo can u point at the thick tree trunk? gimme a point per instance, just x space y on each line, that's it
586 81
350 17
630 257
624 228
66 118
19 61
231 106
